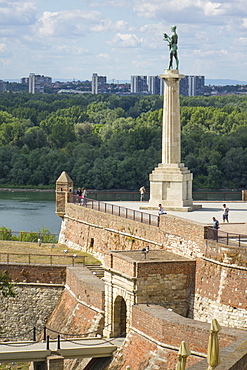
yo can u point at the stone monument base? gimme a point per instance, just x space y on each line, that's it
171 186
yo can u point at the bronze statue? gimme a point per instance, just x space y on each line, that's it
173 45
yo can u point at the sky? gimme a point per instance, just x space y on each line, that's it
73 39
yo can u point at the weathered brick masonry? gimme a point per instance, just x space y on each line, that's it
81 308
221 273
155 336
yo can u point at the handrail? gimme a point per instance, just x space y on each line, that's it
226 238
32 258
113 209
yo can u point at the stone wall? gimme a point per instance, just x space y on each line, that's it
31 307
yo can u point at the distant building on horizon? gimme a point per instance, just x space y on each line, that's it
2 85
156 85
192 85
37 83
138 85
98 84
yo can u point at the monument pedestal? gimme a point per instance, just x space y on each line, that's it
171 185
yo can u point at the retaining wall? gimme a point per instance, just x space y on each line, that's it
155 336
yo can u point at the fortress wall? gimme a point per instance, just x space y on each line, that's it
35 273
78 308
38 289
31 307
169 284
96 232
219 287
155 337
81 307
183 236
220 292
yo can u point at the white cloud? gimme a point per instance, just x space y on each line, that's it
209 53
104 56
71 23
4 51
188 11
108 3
126 40
17 13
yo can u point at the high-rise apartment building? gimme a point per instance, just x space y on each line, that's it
192 85
139 84
37 83
156 85
98 84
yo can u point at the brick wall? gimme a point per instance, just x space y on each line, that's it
81 306
155 337
35 273
220 292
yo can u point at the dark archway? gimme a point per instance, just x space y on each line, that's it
119 317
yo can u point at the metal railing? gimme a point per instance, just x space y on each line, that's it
226 238
133 196
41 259
146 218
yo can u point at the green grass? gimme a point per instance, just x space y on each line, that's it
45 250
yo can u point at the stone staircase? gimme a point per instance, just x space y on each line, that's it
97 270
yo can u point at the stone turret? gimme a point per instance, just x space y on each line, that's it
64 187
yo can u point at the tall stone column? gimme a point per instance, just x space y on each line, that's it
171 133
171 182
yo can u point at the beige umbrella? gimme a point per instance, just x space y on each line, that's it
183 353
213 355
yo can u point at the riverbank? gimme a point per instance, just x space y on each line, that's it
27 189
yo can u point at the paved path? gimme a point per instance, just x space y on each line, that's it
237 214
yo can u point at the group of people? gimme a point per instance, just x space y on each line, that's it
225 217
82 194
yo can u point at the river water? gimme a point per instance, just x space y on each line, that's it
29 211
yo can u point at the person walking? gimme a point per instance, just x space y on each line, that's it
83 196
142 191
225 211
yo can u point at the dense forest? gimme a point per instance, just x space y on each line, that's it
111 142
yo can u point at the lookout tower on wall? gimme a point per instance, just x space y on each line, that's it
64 187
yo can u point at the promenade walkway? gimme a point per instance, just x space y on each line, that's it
237 215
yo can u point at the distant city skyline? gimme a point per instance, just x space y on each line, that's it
119 38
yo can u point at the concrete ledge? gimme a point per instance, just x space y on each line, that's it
191 208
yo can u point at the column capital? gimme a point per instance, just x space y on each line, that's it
170 74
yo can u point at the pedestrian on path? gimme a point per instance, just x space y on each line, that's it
142 191
225 211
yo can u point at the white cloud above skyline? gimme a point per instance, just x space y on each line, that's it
120 38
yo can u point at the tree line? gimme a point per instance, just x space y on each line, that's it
111 142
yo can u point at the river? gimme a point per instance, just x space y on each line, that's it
29 211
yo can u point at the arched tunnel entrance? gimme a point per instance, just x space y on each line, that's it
119 317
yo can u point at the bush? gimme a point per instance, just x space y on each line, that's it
5 234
